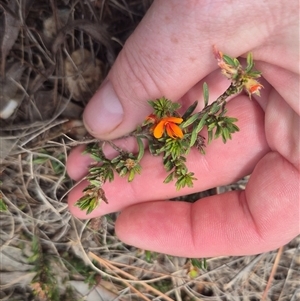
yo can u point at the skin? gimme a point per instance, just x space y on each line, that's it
174 60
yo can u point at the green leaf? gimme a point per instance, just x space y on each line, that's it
152 148
116 159
40 160
190 120
231 61
175 106
109 175
169 178
230 119
190 110
120 164
96 183
95 170
198 128
250 63
189 182
33 258
95 157
185 179
163 106
35 247
199 263
205 94
254 74
141 148
123 172
168 164
131 175
87 203
210 135
235 128
3 206
149 255
214 108
218 132
222 113
92 206
193 138
211 125
202 123
225 135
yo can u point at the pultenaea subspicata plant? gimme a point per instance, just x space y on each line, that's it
170 135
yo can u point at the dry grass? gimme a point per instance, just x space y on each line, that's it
46 254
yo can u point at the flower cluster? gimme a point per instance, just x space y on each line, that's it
169 134
241 78
166 124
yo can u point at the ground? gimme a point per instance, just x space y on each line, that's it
54 54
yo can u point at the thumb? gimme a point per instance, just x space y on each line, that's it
157 60
168 53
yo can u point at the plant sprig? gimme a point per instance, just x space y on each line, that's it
169 134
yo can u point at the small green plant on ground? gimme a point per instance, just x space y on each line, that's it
3 206
45 284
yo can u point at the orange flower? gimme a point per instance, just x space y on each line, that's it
252 86
168 124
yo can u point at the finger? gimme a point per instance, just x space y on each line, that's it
280 78
170 61
222 164
263 217
77 163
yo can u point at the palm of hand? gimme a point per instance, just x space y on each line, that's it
263 217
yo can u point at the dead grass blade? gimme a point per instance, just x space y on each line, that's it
118 272
96 31
272 274
12 26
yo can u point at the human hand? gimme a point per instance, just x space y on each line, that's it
170 54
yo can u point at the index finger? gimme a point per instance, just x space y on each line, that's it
263 217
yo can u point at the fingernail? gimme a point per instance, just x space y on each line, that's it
104 111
